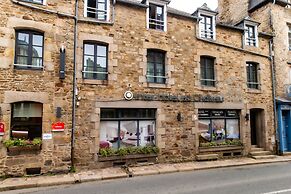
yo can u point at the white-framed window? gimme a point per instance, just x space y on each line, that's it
97 9
157 16
207 27
251 35
289 37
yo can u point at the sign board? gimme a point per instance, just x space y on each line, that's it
47 136
58 127
2 129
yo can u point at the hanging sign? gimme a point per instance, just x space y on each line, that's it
59 126
2 129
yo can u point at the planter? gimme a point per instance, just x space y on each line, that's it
126 160
28 149
220 148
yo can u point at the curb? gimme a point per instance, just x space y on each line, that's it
79 178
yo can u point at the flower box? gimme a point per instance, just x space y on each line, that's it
126 157
27 149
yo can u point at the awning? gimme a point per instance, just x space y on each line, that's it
281 100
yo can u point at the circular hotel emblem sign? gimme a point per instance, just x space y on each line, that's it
128 95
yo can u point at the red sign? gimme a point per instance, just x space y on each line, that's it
59 126
2 129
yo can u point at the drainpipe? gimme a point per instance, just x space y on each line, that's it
273 72
74 85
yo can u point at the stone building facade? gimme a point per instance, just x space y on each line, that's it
192 80
275 18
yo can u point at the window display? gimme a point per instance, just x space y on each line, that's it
127 128
219 125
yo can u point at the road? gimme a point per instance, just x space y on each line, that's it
261 179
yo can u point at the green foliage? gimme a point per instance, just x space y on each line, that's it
72 169
22 142
105 152
225 143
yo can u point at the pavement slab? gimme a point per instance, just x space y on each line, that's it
117 172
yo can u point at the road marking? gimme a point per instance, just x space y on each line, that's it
280 191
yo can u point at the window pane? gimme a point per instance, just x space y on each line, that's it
128 133
27 110
89 62
218 130
89 49
232 129
23 38
37 40
102 51
147 133
204 127
22 50
22 60
109 134
36 51
101 62
37 62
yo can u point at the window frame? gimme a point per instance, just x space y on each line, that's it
155 62
253 80
29 56
207 81
106 10
138 118
13 123
95 72
155 22
203 14
225 117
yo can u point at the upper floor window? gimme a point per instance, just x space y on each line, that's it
156 67
207 27
29 49
251 35
98 9
207 75
156 16
26 121
95 61
289 37
252 75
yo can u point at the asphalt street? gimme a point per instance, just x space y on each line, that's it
258 179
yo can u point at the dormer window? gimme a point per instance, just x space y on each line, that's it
156 17
97 9
251 35
206 27
207 19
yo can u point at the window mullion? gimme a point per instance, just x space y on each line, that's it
95 75
30 47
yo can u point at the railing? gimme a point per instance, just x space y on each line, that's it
158 24
206 33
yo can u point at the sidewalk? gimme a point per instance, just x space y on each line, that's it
114 173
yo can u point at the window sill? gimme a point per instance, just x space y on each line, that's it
156 85
95 21
23 67
254 91
95 82
208 88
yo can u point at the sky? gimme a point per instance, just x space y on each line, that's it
191 5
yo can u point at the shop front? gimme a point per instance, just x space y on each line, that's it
284 125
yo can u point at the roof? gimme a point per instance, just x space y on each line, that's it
181 13
204 7
256 4
133 3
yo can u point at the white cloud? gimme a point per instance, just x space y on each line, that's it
191 5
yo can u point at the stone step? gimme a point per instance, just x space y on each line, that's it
257 149
204 157
287 154
264 157
255 146
260 153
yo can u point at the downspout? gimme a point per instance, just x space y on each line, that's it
74 86
274 81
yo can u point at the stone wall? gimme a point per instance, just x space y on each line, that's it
42 86
128 41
